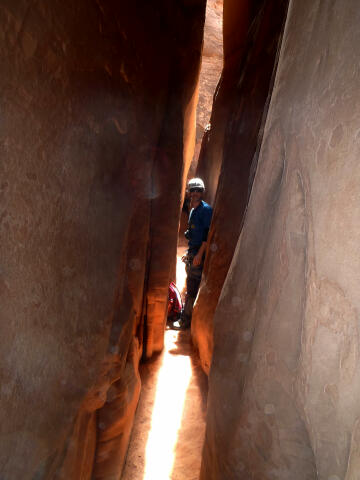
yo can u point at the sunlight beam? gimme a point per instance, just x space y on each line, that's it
173 381
180 274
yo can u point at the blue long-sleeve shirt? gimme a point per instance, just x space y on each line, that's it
199 224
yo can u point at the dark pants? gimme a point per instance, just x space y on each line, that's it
193 280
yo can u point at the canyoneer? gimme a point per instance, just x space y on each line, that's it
196 234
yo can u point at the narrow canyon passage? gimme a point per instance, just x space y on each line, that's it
168 433
107 110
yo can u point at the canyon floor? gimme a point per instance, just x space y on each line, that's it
169 427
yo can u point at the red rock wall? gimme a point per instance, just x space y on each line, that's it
240 106
237 17
212 62
172 161
86 113
284 381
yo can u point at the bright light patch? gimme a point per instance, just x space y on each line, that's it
180 273
173 381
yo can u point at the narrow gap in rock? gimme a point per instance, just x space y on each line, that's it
169 427
168 432
212 61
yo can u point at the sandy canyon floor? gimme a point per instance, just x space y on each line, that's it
168 433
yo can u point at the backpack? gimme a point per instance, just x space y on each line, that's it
175 304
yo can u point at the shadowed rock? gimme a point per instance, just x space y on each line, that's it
284 382
241 105
96 108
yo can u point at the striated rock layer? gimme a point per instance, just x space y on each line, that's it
97 108
241 106
285 381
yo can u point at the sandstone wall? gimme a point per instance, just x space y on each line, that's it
172 161
237 17
86 93
240 107
211 67
284 382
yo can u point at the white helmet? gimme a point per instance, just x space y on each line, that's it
196 183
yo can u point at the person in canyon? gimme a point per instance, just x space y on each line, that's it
196 234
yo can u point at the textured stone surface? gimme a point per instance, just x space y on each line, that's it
172 161
285 382
115 420
211 67
237 18
86 92
248 79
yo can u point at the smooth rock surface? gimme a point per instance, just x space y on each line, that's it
87 109
285 381
248 77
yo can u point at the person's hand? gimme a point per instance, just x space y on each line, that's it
197 260
184 258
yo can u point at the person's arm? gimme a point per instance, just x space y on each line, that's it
199 256
207 220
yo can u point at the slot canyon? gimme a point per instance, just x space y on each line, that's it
107 108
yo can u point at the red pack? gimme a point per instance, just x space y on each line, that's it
175 303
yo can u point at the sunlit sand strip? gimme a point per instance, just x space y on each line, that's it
173 381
